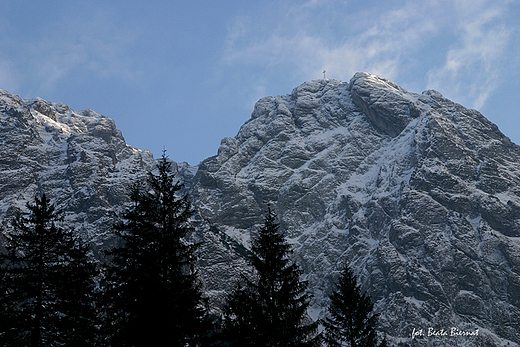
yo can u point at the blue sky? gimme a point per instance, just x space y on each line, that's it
182 75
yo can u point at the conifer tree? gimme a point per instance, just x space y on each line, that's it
351 321
48 283
270 310
154 294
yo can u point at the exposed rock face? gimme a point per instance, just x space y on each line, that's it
419 194
79 159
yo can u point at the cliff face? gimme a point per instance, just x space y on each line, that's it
79 159
419 194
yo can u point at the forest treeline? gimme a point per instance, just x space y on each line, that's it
148 292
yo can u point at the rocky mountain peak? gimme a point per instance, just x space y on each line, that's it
389 107
417 193
79 158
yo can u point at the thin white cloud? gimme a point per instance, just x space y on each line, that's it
318 35
52 61
472 69
452 46
68 45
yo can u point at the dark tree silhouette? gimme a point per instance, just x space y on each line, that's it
351 321
48 283
154 294
270 310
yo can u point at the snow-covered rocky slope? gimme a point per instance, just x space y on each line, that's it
79 159
419 194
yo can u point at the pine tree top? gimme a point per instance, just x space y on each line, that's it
271 309
350 319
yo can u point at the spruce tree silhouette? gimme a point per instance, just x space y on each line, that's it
48 283
351 321
270 310
154 294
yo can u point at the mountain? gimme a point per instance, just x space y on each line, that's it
419 194
79 159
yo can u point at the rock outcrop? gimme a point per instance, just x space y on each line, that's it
79 159
419 194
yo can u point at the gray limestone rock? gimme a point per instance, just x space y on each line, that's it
79 159
417 193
